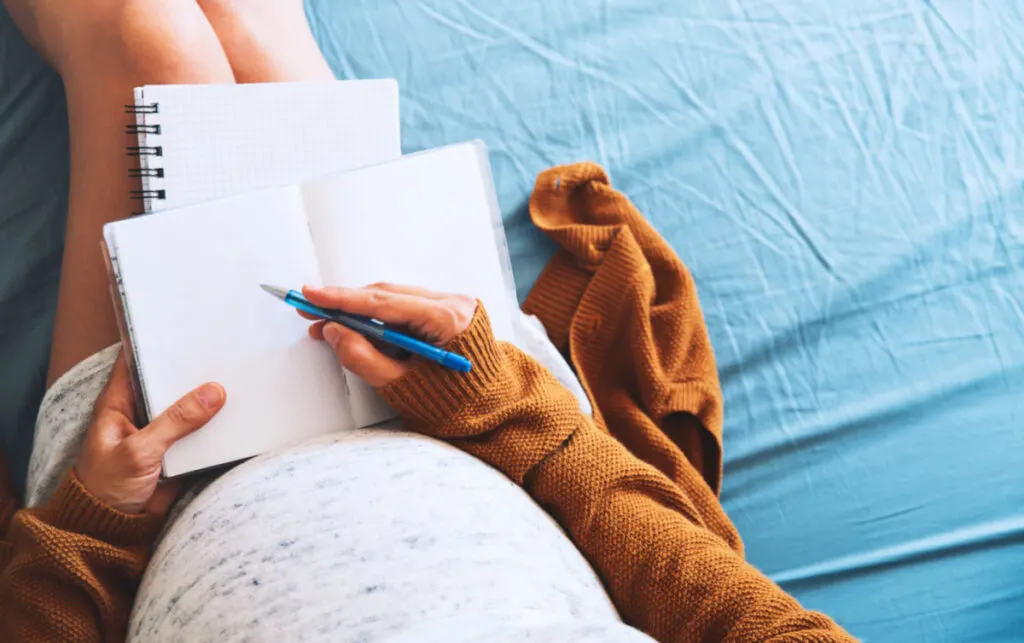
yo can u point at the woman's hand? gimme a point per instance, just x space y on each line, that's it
433 317
120 463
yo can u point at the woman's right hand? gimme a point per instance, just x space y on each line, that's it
433 317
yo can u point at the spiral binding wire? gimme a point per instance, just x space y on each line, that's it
152 172
145 150
142 109
149 194
142 129
145 195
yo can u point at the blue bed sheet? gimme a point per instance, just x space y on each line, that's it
844 181
33 205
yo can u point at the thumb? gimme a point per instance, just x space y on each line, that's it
358 355
186 415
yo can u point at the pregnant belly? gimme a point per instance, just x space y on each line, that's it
356 537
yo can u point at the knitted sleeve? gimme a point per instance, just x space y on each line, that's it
73 569
8 506
667 574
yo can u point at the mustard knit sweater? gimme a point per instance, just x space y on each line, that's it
635 487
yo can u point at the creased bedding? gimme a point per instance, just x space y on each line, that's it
844 180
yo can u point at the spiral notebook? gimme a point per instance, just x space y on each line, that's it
191 307
202 142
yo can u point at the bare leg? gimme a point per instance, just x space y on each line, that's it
267 40
103 49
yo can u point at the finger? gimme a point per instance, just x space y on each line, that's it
117 394
186 415
358 355
400 289
388 307
316 331
309 316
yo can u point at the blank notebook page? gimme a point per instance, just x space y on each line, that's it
223 140
192 282
427 219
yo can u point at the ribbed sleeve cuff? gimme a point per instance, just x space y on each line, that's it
431 393
73 508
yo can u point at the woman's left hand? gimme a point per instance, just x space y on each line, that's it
120 463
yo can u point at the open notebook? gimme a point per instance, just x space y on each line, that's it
202 142
192 310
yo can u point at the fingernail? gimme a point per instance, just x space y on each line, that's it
332 333
210 395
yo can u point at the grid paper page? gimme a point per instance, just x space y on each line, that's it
223 140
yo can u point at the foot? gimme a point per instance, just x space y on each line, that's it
267 40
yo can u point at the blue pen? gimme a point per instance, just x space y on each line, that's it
373 329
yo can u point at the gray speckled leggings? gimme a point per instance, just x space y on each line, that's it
370 535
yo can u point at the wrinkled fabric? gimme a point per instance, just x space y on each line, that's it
33 206
843 179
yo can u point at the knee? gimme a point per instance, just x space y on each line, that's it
162 38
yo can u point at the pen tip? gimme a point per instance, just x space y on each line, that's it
280 293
